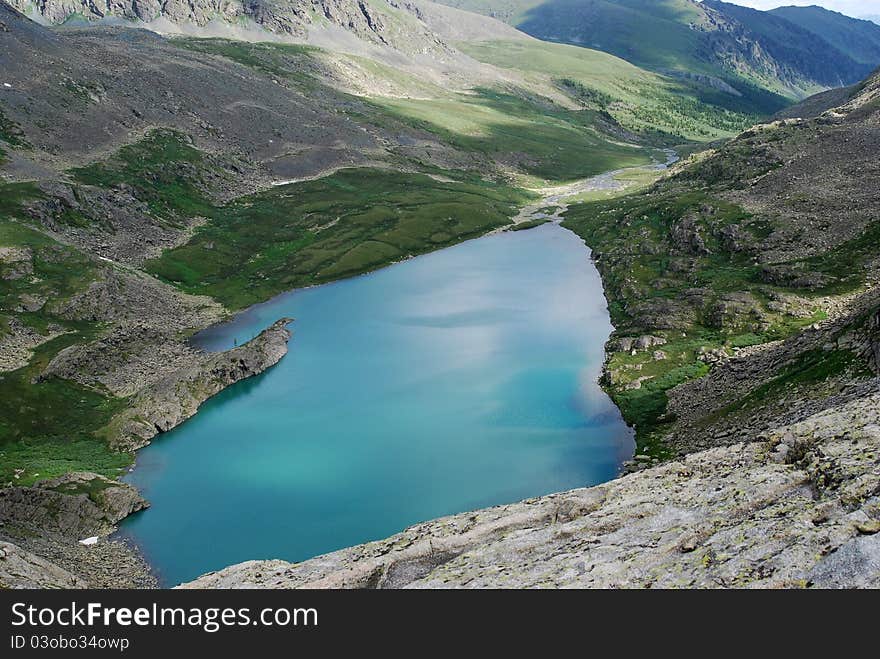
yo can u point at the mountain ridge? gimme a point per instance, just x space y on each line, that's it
709 38
856 37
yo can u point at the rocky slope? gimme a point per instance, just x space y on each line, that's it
42 529
22 569
400 32
81 94
375 21
859 38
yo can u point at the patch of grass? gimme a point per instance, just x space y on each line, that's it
11 133
58 271
47 426
549 143
163 170
93 488
845 263
352 222
645 408
37 460
291 62
13 195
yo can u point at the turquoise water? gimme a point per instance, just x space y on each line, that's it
453 381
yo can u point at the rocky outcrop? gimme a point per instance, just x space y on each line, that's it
634 344
42 528
799 508
22 569
175 398
371 21
74 506
125 360
18 342
749 391
286 17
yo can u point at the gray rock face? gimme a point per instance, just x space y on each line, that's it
22 569
857 563
701 410
369 21
176 397
640 343
799 509
283 16
74 506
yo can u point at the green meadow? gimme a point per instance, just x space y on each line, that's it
338 226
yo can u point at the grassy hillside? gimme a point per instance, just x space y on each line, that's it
641 102
762 55
743 246
653 34
335 227
45 425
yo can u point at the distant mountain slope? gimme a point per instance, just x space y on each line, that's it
799 49
742 47
860 39
462 76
